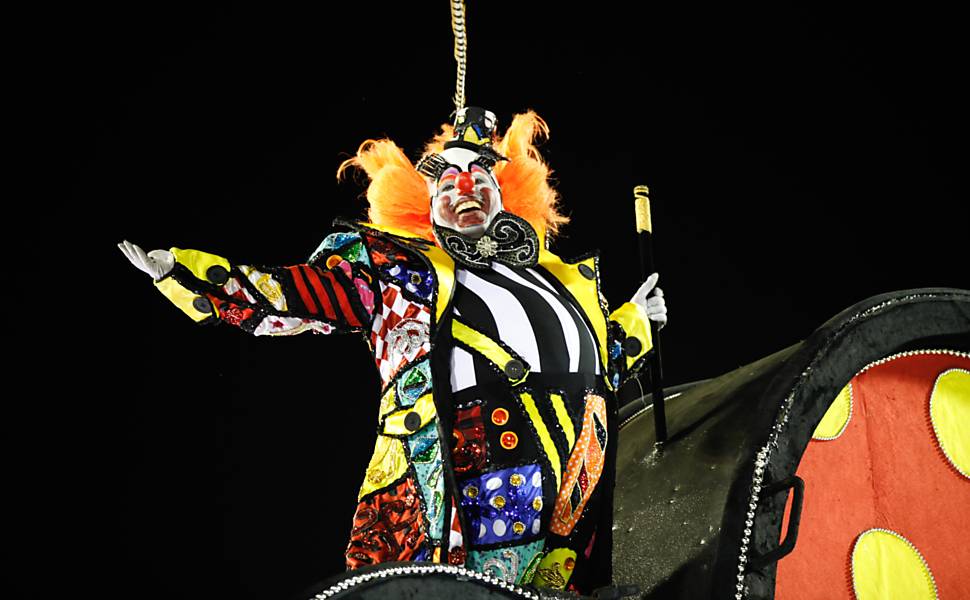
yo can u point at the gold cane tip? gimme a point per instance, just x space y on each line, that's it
642 205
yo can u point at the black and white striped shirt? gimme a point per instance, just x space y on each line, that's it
525 309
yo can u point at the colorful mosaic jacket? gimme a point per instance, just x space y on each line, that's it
396 290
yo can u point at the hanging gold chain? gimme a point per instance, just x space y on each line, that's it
458 28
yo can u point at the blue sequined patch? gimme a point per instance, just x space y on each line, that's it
495 507
416 281
616 349
424 554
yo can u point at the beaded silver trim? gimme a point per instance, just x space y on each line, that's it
407 337
912 353
936 433
504 570
926 566
457 571
764 454
847 418
645 409
486 246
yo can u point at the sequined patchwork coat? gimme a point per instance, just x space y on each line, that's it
396 290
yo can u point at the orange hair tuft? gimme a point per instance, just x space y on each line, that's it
397 194
524 177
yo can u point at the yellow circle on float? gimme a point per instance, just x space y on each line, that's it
837 417
887 565
950 416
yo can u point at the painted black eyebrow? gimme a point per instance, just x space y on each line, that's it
432 166
484 162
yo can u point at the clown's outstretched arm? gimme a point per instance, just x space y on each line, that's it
335 295
630 327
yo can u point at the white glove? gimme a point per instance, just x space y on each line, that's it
654 306
156 263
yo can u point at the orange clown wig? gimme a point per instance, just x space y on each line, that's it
398 193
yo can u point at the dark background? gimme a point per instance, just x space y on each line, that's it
798 162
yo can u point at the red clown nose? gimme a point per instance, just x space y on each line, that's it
466 185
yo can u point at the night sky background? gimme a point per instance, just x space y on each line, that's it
798 163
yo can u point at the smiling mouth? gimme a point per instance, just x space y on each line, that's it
468 204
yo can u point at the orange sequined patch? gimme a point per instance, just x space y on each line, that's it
583 469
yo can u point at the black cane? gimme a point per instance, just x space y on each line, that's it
645 237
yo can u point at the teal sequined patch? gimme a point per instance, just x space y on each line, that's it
338 239
422 440
511 564
426 457
414 384
347 244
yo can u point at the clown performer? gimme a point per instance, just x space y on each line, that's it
499 361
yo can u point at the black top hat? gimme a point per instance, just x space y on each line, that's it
474 130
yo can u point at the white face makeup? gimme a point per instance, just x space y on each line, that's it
466 196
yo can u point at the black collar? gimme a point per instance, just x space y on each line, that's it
509 239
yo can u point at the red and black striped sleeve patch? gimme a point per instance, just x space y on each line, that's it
325 298
302 288
329 292
342 299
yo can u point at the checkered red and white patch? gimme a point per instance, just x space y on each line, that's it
400 333
236 290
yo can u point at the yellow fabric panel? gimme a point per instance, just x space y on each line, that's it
564 421
585 292
836 418
950 416
394 424
635 323
198 262
444 270
555 569
181 297
387 402
547 444
267 286
887 565
386 464
483 344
